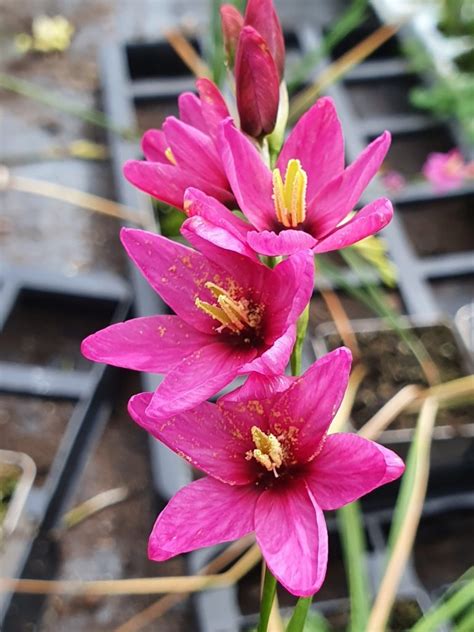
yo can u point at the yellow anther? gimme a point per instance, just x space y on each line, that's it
235 315
290 196
268 451
169 154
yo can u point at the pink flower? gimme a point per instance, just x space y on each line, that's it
445 171
304 202
233 316
271 468
185 151
393 181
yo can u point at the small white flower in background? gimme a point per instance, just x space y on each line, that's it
48 35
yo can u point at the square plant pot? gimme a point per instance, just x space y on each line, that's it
391 366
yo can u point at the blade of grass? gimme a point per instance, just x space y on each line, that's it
354 550
298 618
353 17
266 602
448 610
407 516
58 102
187 53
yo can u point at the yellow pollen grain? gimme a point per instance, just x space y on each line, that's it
289 196
169 154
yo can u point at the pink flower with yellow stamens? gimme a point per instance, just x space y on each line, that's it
271 468
233 316
445 171
305 201
184 152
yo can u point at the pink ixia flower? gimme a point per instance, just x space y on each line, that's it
184 152
393 181
271 468
305 201
445 171
233 316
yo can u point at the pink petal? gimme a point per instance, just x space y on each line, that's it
214 108
204 513
210 438
152 343
154 145
262 16
205 235
317 141
291 531
174 271
275 359
313 400
257 84
366 222
287 242
190 111
194 151
249 177
167 182
293 283
232 23
349 467
219 226
338 197
258 386
198 377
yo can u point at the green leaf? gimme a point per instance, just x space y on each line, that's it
448 609
268 595
353 542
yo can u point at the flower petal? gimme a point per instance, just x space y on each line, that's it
249 177
218 226
151 343
257 84
317 142
338 197
204 513
262 16
312 401
368 221
214 107
287 242
291 531
194 151
213 439
275 359
167 182
198 377
174 271
258 386
349 467
190 111
154 145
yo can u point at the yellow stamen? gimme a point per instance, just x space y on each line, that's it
235 315
268 451
290 196
169 154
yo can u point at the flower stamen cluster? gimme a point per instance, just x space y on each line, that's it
235 315
268 450
290 196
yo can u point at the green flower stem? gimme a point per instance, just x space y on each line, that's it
296 354
268 595
298 619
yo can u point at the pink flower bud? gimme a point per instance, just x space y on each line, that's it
262 16
257 84
232 23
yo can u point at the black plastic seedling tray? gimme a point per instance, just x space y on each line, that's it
68 377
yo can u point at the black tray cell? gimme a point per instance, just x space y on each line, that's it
441 226
376 98
388 50
150 113
443 547
47 329
409 152
453 292
159 59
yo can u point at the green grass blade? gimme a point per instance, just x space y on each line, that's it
298 618
354 553
447 610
